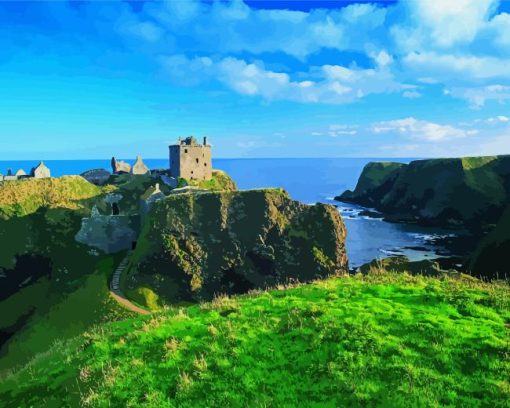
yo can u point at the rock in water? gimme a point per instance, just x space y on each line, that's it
139 167
204 244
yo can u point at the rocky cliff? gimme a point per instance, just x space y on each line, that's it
469 192
490 259
196 245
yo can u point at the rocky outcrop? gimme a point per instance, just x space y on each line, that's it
98 177
375 181
108 233
468 192
197 245
490 259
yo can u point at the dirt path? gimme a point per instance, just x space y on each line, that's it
118 295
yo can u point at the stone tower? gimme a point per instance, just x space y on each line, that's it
191 160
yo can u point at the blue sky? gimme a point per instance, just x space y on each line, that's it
423 78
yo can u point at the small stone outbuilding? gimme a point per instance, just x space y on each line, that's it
40 171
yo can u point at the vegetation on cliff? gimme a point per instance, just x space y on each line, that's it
25 197
382 339
52 286
220 181
491 256
195 245
469 192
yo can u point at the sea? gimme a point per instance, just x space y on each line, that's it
309 180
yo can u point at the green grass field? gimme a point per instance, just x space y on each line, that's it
384 339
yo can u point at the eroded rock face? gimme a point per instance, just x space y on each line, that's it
204 244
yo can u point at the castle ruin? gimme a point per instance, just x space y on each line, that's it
191 160
39 171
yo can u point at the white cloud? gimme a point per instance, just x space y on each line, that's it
463 45
230 27
498 119
382 58
342 130
411 94
421 129
443 23
478 95
453 67
331 83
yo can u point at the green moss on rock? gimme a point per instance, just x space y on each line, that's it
231 242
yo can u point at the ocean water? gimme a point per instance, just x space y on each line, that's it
309 181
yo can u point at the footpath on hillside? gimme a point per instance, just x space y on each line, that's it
117 293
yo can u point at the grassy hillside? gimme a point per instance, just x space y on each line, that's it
51 286
193 246
470 192
24 197
379 340
55 308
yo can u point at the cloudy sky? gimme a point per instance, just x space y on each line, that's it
422 78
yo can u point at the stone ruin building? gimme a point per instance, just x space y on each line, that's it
191 160
121 167
40 171
139 167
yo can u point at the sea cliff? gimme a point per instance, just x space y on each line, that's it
469 192
196 245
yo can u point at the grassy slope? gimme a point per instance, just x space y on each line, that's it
24 197
53 312
384 339
41 217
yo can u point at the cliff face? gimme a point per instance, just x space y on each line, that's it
374 183
466 192
194 246
490 259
